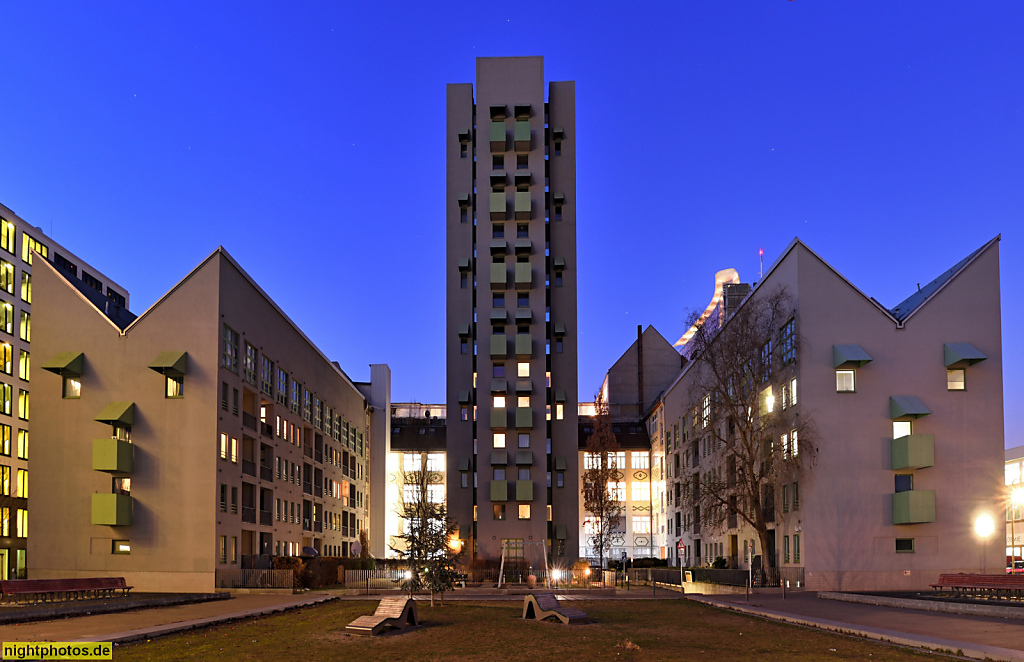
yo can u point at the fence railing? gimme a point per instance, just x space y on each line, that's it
254 579
377 578
792 577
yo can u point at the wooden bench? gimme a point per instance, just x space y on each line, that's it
998 586
59 590
391 612
540 606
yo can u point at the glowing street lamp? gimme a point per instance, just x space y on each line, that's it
984 527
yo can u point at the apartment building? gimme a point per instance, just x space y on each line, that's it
1012 477
187 441
418 444
511 309
907 407
20 245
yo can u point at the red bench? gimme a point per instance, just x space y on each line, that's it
58 590
998 586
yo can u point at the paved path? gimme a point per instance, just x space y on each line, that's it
976 636
145 623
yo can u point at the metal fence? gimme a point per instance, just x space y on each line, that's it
254 579
791 577
378 578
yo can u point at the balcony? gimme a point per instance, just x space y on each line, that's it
266 518
318 456
248 420
307 524
113 456
499 276
499 490
266 429
524 490
307 450
498 206
249 468
499 418
307 488
521 136
112 509
499 346
498 136
318 491
523 205
248 514
913 451
266 473
524 345
318 527
524 418
913 507
524 276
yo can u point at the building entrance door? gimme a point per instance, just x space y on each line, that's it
4 564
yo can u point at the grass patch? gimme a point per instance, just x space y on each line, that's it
633 630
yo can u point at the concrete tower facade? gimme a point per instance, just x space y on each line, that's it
511 313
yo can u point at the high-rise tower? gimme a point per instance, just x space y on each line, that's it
511 322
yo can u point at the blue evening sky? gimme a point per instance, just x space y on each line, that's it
308 140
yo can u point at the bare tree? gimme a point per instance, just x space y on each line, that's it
744 413
430 540
604 506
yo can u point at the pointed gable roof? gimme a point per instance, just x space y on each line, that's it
911 304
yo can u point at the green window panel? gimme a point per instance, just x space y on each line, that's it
524 417
913 507
524 458
849 356
524 490
112 455
498 136
66 364
914 451
112 509
521 135
524 276
498 206
907 406
961 355
499 458
117 413
499 418
170 364
524 345
499 346
499 490
499 276
523 205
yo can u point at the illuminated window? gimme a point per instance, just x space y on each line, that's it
523 369
174 387
499 511
435 462
29 244
72 388
223 549
499 439
7 235
641 524
5 440
223 446
234 450
435 493
706 411
641 460
22 516
559 411
590 525
7 318
23 361
641 490
617 490
524 401
26 326
792 392
524 511
22 443
6 276
26 287
412 462
844 381
499 402
591 461
23 404
955 380
901 429
617 460
22 484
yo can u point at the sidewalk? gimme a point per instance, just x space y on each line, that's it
972 636
146 623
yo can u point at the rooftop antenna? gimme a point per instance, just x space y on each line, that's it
760 255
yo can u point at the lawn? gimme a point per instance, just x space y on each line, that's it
625 630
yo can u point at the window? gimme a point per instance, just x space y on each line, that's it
641 490
464 412
523 370
641 460
174 387
5 439
617 490
72 388
524 440
904 545
23 404
558 346
234 401
766 361
224 396
794 446
115 297
121 547
22 516
524 473
296 390
464 346
223 549
706 411
267 377
435 462
7 235
498 231
24 363
26 287
435 494
523 299
524 511
6 276
558 278
230 356
901 429
785 498
796 548
499 473
412 462
559 411
904 482
787 342
523 232
785 549
22 484
558 148
955 380
223 498
522 161
560 479
845 381
465 479
617 460
523 401
29 244
7 318
796 496
463 278
282 386
223 446
499 439
641 524
499 512
5 481
499 402
498 370
792 392
26 326
498 300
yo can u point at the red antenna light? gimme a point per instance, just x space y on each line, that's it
760 254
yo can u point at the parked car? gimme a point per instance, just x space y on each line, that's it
1017 568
